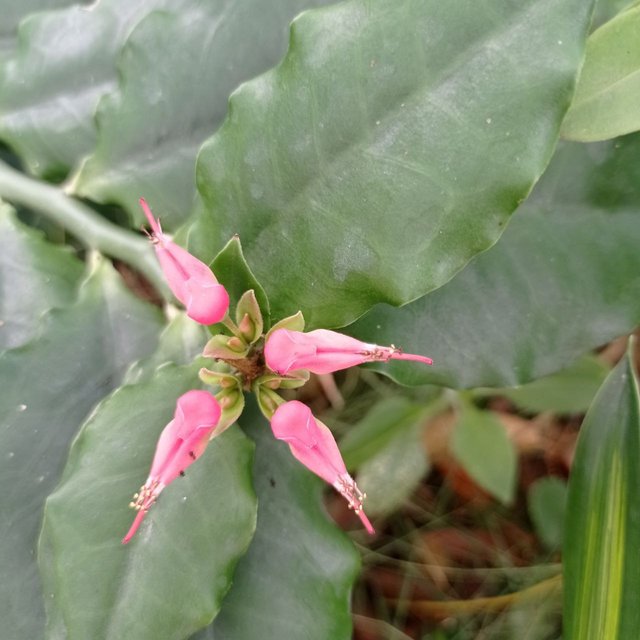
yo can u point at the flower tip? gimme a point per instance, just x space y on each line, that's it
134 527
413 357
366 522
153 223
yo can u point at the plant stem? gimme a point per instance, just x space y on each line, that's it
91 229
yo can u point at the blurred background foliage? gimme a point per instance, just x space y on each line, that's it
462 183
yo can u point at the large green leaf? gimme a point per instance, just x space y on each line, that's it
46 389
389 147
50 88
607 99
296 578
177 71
171 578
181 341
568 391
563 280
13 12
602 530
35 276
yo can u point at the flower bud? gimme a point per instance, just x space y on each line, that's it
323 351
190 280
312 443
180 444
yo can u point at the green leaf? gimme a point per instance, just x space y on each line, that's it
177 70
170 579
392 474
234 273
14 12
482 447
377 429
607 9
606 101
46 389
530 306
602 530
296 578
357 171
547 505
181 341
50 88
568 391
35 276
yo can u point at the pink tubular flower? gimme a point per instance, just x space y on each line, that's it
181 443
191 281
313 444
323 351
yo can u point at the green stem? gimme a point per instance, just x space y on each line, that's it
91 229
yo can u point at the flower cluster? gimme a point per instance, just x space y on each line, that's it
281 359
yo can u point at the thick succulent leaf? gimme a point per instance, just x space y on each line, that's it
177 70
181 342
602 529
35 276
547 501
568 391
50 88
563 280
46 389
234 273
170 579
483 448
358 172
607 99
14 12
295 580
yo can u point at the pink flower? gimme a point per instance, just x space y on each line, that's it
313 444
181 443
191 281
323 351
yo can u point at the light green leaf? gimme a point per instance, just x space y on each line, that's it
529 306
295 580
482 447
602 529
607 99
547 502
392 474
177 70
170 579
568 391
357 171
46 389
35 276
